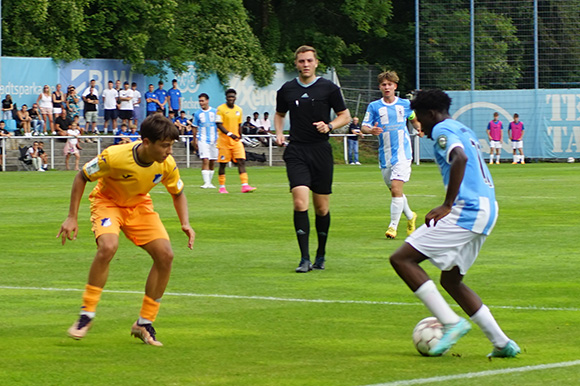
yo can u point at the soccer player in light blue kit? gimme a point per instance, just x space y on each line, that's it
387 118
454 232
205 137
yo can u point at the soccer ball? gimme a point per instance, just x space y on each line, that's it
571 160
426 334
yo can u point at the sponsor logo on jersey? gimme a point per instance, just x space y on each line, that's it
157 178
106 222
92 166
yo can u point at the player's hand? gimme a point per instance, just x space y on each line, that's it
321 127
190 233
234 137
437 214
376 130
68 230
420 133
280 139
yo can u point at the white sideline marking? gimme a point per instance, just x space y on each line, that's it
296 300
480 374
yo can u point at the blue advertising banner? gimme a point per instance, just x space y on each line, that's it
551 120
23 78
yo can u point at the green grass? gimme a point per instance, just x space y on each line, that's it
245 247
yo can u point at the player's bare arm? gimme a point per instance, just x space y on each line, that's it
375 130
417 125
279 127
223 129
457 171
180 204
342 119
69 228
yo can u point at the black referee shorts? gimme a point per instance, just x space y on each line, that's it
310 164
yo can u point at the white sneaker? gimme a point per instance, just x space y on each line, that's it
357 163
204 186
352 163
53 133
211 186
41 170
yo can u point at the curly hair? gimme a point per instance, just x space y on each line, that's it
436 100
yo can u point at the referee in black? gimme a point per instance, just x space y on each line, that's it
308 157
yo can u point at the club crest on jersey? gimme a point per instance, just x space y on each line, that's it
442 141
157 178
106 222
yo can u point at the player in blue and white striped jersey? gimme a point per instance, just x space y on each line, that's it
205 137
455 231
387 119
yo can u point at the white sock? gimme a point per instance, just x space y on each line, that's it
497 157
491 158
485 320
406 209
89 314
211 175
397 205
521 157
142 321
515 158
439 308
205 176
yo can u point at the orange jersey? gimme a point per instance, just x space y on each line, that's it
231 119
127 182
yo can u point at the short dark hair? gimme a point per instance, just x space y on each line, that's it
174 80
133 84
110 81
435 99
231 91
203 95
125 83
156 127
160 82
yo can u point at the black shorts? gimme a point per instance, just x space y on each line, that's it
110 115
126 114
310 165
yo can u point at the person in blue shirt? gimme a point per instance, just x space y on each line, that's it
161 98
205 139
174 97
455 231
387 119
152 101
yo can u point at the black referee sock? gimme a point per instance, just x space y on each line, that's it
302 227
322 226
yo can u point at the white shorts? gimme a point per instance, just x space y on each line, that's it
57 110
517 144
207 150
495 144
447 245
399 171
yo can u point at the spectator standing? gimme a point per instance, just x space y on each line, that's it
24 120
72 102
37 123
126 104
110 96
44 101
229 122
152 101
3 134
308 157
88 89
7 107
58 100
71 148
352 141
516 134
91 107
205 136
161 98
174 96
495 134
137 112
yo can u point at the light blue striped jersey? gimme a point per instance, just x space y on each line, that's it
394 142
204 120
475 203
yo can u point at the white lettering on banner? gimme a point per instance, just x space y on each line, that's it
189 106
575 135
18 90
564 103
187 82
556 133
555 99
252 97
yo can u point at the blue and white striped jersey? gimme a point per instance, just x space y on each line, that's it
394 142
476 198
204 120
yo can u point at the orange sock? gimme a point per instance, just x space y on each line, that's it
149 309
222 179
244 178
91 298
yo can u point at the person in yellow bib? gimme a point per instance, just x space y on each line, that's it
121 201
229 121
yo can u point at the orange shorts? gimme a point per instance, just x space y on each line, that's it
140 224
227 154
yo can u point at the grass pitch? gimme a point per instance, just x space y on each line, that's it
237 314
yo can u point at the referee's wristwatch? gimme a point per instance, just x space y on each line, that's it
330 127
